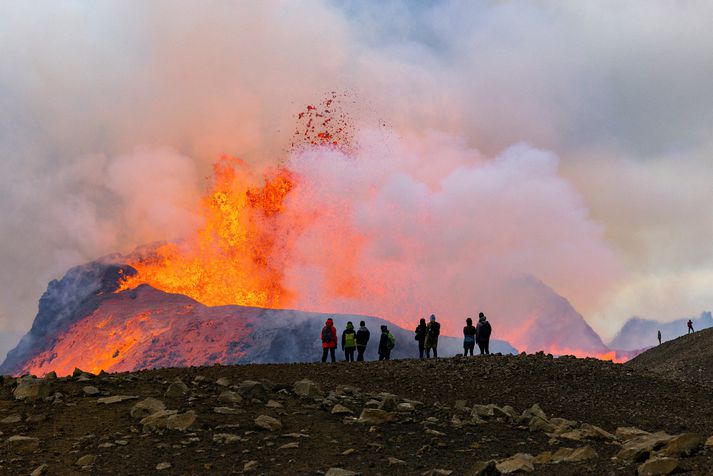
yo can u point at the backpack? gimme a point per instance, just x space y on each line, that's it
326 334
391 342
434 329
349 340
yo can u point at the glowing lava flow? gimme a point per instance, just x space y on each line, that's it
236 256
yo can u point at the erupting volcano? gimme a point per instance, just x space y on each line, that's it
331 229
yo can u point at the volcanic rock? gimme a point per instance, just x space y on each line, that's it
22 444
268 423
227 411
90 390
226 438
341 410
116 399
162 466
86 460
157 420
375 416
177 389
519 462
685 444
340 472
307 388
229 397
40 470
223 382
15 418
658 466
181 421
147 407
30 389
252 390
484 468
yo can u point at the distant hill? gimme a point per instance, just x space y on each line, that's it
83 323
640 333
689 357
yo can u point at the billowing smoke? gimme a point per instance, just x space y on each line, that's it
111 112
408 227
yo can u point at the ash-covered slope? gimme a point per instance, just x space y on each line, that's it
144 328
640 333
689 357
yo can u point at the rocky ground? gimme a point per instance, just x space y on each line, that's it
477 415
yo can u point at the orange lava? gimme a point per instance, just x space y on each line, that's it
236 256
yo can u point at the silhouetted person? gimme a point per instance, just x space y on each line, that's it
433 330
421 331
329 340
659 336
468 337
482 334
349 342
362 338
386 343
690 326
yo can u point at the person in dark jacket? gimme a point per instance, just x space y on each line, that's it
349 342
384 346
468 337
329 340
421 336
362 338
659 336
482 334
690 327
433 330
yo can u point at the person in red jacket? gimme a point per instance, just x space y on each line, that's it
329 340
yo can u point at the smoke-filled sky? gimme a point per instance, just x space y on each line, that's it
587 124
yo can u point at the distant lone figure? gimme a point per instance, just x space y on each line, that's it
421 331
433 330
482 334
349 342
468 337
659 336
329 340
690 326
362 338
386 344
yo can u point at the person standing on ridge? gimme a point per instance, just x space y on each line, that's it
329 340
421 331
433 330
482 334
659 336
690 326
362 338
386 344
468 337
349 342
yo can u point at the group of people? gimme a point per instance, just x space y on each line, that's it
426 335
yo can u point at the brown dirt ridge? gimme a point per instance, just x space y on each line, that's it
476 415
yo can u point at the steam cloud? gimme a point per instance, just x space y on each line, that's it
110 114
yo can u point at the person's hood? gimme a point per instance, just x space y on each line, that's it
329 322
481 319
469 321
350 326
363 328
433 318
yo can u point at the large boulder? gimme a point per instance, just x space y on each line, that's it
147 407
658 467
252 390
30 389
22 444
685 444
375 416
307 388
